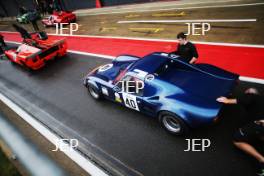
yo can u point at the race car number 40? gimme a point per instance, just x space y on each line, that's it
130 101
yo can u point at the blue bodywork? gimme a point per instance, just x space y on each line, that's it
189 91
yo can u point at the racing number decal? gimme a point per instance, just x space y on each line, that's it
130 101
105 67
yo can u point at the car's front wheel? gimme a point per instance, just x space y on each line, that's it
172 123
94 92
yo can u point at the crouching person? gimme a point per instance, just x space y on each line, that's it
252 134
247 137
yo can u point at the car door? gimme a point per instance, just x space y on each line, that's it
125 94
150 100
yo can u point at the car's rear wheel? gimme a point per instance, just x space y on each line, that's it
172 123
94 92
12 62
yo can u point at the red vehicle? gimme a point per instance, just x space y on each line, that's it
59 17
35 51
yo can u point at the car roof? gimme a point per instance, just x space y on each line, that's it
150 63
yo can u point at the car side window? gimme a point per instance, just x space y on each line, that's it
121 84
131 85
171 64
163 68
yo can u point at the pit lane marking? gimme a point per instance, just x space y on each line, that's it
87 165
77 157
148 39
189 21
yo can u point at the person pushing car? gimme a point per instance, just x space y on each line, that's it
246 137
2 46
186 49
1 53
2 41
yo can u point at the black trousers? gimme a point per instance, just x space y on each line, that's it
2 42
1 50
35 25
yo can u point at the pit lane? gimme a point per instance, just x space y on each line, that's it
124 141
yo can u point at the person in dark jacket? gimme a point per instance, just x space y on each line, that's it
186 50
23 32
33 18
2 46
57 5
2 41
1 52
246 137
251 101
42 8
22 10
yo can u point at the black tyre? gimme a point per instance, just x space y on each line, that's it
12 62
173 123
94 92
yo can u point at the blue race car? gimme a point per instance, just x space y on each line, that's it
181 95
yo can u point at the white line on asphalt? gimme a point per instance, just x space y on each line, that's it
88 166
92 54
191 21
253 80
180 8
242 78
164 40
154 40
229 44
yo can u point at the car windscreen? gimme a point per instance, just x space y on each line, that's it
150 63
172 64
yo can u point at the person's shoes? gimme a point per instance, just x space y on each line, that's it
3 57
260 170
261 173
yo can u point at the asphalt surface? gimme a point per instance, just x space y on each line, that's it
121 139
92 23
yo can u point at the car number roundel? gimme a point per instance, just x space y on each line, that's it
130 101
105 67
